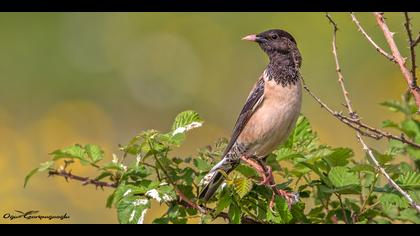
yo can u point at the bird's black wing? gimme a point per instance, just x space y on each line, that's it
254 99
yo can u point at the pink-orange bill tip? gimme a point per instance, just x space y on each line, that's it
251 37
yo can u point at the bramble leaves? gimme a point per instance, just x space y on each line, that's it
328 179
342 176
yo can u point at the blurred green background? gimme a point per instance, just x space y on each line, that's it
101 78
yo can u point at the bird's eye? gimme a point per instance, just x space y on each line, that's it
273 36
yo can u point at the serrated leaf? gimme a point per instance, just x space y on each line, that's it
341 176
363 168
391 202
234 214
94 152
413 152
42 167
410 179
410 214
246 171
75 151
185 121
225 200
202 165
394 106
382 158
348 189
127 190
389 124
281 214
242 185
338 157
411 128
132 210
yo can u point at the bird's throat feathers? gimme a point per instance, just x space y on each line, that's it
283 69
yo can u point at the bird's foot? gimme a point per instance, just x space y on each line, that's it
267 177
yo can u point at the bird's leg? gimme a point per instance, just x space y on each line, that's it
258 167
266 173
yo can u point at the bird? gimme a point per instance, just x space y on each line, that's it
270 111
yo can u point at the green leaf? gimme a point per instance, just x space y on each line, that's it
127 190
246 171
363 168
338 157
202 165
391 202
242 185
382 158
95 153
76 151
348 189
410 214
132 210
394 106
185 121
28 176
341 176
411 128
234 214
413 152
225 200
43 167
281 214
389 124
410 179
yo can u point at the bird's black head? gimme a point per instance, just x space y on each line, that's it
274 40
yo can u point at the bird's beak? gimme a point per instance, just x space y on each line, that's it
253 38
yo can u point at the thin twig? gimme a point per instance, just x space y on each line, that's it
343 211
412 83
390 180
357 124
417 40
354 114
379 49
407 25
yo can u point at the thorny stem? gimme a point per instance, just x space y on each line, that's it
84 180
379 49
411 82
357 124
354 115
407 25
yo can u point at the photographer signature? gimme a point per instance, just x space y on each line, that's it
32 215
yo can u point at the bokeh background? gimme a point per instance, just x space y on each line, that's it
101 78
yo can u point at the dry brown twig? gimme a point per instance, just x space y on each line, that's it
389 36
353 114
379 49
411 45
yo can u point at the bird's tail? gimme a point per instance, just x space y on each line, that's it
211 182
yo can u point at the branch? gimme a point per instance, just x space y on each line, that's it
357 124
379 49
416 41
411 45
354 114
84 180
338 69
183 200
412 83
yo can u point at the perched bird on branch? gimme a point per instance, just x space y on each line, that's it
269 114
